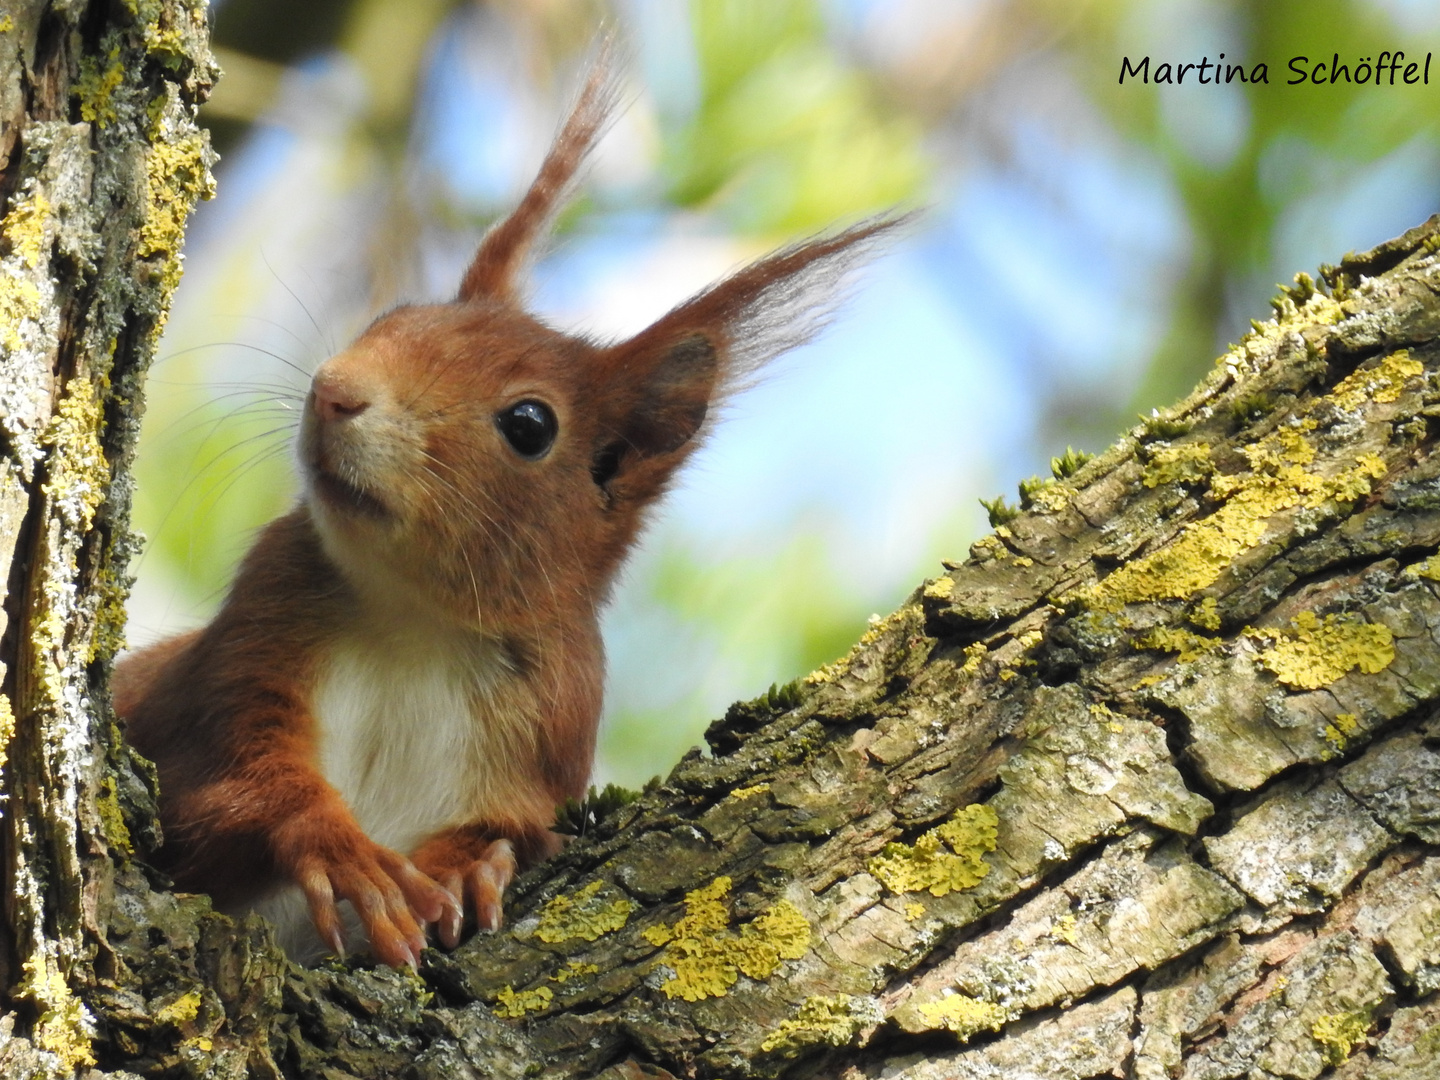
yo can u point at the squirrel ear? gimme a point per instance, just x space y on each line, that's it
654 418
674 400
508 244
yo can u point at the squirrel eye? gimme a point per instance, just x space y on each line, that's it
529 427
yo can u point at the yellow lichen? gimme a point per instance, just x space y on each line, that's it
878 628
1204 549
947 858
7 728
1338 732
1024 560
96 88
585 915
24 232
965 1016
112 818
914 910
24 229
511 1004
6 24
1338 1034
79 473
1317 653
180 1011
940 589
1052 496
1381 383
746 792
575 969
64 1027
1205 615
1189 645
108 638
819 1019
1172 464
1030 639
974 654
707 956
1430 568
177 177
1064 929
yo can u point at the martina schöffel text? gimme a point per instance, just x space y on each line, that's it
1388 68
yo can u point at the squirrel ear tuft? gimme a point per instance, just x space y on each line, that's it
494 271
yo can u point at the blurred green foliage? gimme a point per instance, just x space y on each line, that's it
788 136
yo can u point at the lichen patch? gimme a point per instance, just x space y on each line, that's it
1316 653
964 1015
946 859
1382 383
834 1020
707 956
586 915
512 1004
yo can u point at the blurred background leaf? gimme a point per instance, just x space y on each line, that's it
1088 248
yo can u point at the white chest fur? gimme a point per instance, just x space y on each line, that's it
416 732
413 734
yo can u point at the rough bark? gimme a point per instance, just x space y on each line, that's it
1148 786
100 162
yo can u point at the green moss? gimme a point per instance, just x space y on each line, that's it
1338 1034
833 1020
708 956
1069 463
585 915
998 511
512 1005
946 859
965 1016
1158 426
1316 653
1178 464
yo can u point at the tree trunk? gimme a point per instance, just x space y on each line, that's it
100 162
1147 787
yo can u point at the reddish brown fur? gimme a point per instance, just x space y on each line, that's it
418 511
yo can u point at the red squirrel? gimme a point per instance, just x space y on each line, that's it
405 678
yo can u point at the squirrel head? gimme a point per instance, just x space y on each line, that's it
503 468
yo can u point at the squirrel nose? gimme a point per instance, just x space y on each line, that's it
333 401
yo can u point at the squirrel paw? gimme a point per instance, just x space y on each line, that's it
393 899
481 883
